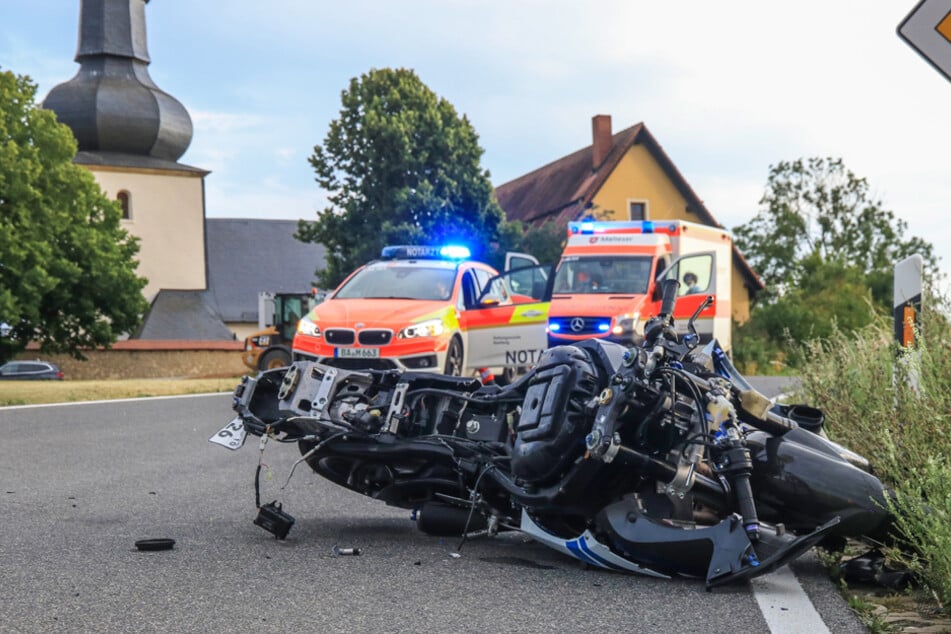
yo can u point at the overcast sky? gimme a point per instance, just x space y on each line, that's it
728 88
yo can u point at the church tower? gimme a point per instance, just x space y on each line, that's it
131 135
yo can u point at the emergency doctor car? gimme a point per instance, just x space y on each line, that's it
431 309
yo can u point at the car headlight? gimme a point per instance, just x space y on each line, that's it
625 323
430 328
307 327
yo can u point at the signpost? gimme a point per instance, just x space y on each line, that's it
907 311
907 300
927 29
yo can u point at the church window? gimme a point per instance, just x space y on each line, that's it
125 202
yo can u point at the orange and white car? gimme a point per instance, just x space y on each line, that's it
431 309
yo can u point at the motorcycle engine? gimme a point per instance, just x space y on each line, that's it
553 422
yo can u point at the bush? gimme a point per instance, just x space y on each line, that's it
894 407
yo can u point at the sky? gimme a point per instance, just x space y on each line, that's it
728 89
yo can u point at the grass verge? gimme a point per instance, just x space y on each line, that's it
895 409
39 392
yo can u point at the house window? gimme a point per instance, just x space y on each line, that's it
637 209
124 201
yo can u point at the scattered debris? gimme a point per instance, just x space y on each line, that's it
161 543
337 552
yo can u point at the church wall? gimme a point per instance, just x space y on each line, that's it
166 212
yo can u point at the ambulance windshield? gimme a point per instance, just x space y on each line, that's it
629 275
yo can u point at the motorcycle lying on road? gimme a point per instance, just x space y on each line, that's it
658 459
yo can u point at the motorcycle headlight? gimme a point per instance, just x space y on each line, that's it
624 324
430 328
307 327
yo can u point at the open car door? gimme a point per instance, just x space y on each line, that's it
509 326
696 273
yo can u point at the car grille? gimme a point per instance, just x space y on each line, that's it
589 325
361 364
339 336
374 337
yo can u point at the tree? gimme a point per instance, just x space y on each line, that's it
401 167
818 208
67 268
545 242
825 250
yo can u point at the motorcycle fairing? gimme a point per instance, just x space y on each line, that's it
721 553
585 548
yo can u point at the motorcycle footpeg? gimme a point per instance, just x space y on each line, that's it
274 520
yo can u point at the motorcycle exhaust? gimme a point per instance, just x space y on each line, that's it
444 520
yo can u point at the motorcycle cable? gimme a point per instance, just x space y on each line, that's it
487 399
473 496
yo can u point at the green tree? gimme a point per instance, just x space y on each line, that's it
817 208
545 242
67 268
400 166
826 251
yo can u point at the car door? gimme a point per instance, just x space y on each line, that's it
508 327
689 297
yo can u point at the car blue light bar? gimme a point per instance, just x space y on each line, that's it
422 252
455 252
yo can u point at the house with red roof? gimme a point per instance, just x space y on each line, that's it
620 176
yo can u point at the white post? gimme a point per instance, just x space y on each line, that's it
907 314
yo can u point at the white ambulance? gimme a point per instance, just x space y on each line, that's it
607 281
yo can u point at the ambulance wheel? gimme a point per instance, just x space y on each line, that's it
454 358
274 359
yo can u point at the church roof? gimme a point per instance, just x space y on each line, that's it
247 256
183 315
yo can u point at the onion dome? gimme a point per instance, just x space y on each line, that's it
112 105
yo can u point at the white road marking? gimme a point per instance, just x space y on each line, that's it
785 605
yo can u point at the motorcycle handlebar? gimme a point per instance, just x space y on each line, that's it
669 289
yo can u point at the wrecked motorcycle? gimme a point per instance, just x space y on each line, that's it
658 459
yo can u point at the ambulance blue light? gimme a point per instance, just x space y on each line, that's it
647 226
552 326
587 227
455 252
603 327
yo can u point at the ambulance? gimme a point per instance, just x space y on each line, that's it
607 284
431 309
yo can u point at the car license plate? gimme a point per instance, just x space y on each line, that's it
357 353
231 436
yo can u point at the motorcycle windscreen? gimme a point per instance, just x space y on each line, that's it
509 325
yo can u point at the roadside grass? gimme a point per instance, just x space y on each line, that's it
895 409
39 392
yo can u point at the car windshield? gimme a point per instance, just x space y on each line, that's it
393 281
603 274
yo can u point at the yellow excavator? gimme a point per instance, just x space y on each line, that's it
278 314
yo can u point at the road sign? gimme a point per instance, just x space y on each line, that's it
927 29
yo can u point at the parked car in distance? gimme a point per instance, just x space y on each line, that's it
30 370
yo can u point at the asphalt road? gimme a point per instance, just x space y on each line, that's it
79 484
